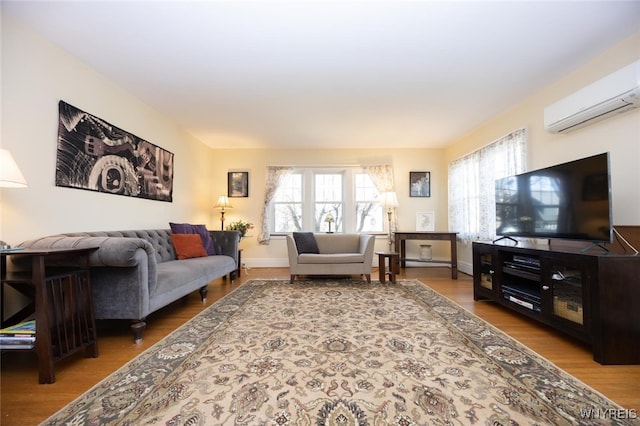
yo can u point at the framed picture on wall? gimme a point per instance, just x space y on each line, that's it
425 222
420 184
238 184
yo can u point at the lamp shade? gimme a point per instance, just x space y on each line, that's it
388 199
10 174
223 203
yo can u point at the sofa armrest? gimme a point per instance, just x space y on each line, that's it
226 243
367 245
292 251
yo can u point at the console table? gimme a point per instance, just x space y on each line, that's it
65 323
400 241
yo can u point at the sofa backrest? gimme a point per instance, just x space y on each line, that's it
338 243
160 239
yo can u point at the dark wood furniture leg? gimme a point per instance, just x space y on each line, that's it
46 372
203 293
137 328
454 257
382 275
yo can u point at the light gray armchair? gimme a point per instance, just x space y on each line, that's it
336 254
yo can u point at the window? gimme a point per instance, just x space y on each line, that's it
306 197
369 213
328 202
472 208
287 204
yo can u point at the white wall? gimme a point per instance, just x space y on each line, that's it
619 135
402 160
35 76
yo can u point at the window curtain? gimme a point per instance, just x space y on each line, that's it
382 177
274 178
472 185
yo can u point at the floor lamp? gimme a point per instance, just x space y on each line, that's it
390 201
223 203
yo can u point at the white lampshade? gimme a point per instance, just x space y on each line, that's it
223 203
10 174
388 199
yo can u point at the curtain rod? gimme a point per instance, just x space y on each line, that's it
490 143
325 165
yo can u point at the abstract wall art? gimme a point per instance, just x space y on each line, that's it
97 156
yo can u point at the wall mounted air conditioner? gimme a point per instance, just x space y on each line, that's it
617 92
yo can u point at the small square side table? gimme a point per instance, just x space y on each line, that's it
394 265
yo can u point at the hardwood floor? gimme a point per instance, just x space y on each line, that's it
25 402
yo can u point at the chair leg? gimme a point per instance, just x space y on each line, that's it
368 277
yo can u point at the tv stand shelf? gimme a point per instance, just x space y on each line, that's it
592 296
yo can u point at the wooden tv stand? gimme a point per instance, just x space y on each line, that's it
593 296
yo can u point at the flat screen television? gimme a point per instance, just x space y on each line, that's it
567 201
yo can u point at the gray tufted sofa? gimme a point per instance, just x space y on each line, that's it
134 273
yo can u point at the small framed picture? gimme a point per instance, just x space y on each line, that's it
420 184
238 184
425 222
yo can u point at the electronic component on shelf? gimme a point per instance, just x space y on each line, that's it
525 297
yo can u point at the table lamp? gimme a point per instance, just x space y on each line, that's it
329 219
223 203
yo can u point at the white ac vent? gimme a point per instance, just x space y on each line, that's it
617 92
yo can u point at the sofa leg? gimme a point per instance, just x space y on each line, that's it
137 328
293 277
368 277
203 293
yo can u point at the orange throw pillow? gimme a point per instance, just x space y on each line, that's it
188 245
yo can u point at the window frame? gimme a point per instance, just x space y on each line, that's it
309 201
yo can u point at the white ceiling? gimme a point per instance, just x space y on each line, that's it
357 74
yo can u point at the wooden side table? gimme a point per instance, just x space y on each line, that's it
402 237
65 322
394 265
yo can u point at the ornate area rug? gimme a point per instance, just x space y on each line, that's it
337 352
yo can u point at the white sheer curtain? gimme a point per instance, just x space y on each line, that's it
274 178
472 185
382 177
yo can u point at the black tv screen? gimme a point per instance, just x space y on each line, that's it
568 201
